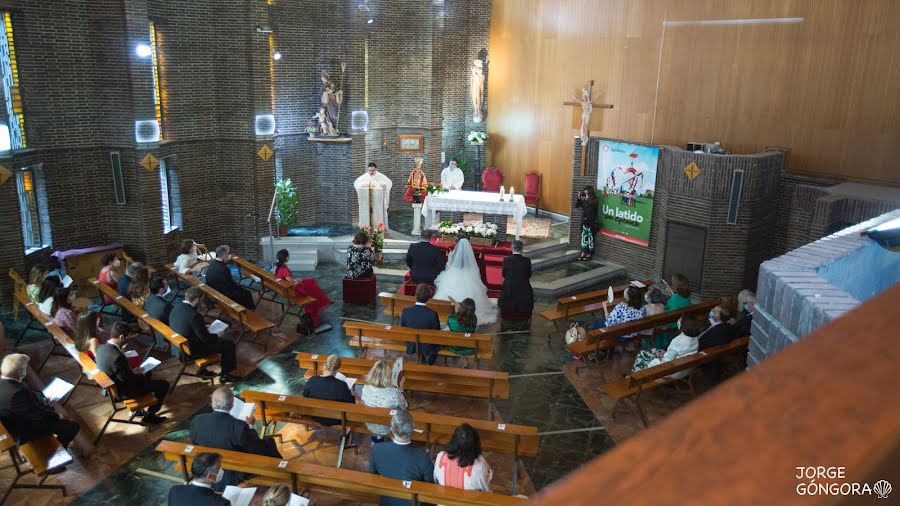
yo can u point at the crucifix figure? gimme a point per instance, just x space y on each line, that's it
587 107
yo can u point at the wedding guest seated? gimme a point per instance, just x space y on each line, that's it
46 293
218 276
684 344
399 459
654 304
35 277
108 274
188 261
425 260
381 392
220 430
89 336
185 320
139 288
746 303
326 387
61 310
679 294
25 413
630 310
158 307
360 257
461 464
303 287
125 281
207 473
720 332
131 383
463 320
277 495
420 316
516 294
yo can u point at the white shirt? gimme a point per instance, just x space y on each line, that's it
452 178
200 484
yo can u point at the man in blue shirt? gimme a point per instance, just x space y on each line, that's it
400 460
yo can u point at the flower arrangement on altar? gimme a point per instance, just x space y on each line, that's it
475 136
376 236
435 189
479 233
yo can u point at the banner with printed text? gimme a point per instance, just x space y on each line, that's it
626 180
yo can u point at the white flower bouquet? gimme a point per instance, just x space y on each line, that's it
475 136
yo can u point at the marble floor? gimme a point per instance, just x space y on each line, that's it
544 393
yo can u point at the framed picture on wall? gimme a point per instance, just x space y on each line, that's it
410 143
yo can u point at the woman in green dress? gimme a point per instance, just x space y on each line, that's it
464 320
680 297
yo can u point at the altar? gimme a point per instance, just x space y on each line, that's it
473 202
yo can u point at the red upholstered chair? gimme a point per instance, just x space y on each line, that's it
360 290
533 190
491 180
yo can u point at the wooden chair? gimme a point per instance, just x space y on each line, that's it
42 454
640 382
533 190
132 405
491 179
583 303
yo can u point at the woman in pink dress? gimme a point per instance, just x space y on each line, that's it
303 287
108 275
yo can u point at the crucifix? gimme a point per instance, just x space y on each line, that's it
587 107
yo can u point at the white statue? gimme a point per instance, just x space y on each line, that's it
587 107
476 89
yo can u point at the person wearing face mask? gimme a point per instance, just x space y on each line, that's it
158 307
207 472
685 343
218 276
25 413
746 303
720 332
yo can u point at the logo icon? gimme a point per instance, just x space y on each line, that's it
882 489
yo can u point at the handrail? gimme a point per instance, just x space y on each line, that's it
269 223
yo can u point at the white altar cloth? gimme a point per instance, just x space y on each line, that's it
474 202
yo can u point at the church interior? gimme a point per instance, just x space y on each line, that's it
461 252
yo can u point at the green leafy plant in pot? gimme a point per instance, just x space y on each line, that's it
287 202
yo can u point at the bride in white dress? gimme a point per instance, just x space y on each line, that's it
462 279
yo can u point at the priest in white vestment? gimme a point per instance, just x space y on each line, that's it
452 177
373 191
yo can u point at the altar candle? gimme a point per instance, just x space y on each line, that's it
502 193
512 194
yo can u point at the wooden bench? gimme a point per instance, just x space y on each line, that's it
364 335
651 378
605 338
43 454
396 303
515 440
173 338
488 385
305 477
276 287
583 303
249 320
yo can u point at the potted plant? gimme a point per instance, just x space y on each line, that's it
287 202
476 137
482 234
448 231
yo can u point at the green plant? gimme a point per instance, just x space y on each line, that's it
463 160
287 202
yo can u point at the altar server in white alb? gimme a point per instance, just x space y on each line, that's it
373 190
452 177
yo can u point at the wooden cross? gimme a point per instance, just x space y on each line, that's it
586 122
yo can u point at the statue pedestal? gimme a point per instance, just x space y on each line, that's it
417 219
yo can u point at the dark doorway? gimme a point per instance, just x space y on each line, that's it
685 245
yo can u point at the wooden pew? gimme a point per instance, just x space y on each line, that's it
488 385
365 335
43 454
172 337
583 303
651 378
605 338
308 477
515 440
249 320
19 285
276 287
396 303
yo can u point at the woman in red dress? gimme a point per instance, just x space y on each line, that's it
303 287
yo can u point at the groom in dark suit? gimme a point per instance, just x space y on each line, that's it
425 260
516 295
420 316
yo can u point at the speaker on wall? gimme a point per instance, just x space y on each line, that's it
118 181
146 130
265 124
737 185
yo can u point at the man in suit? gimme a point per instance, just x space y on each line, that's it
516 295
720 332
399 459
221 430
425 260
130 384
159 308
185 320
218 276
27 414
207 472
329 388
420 316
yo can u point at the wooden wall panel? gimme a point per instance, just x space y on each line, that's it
826 87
